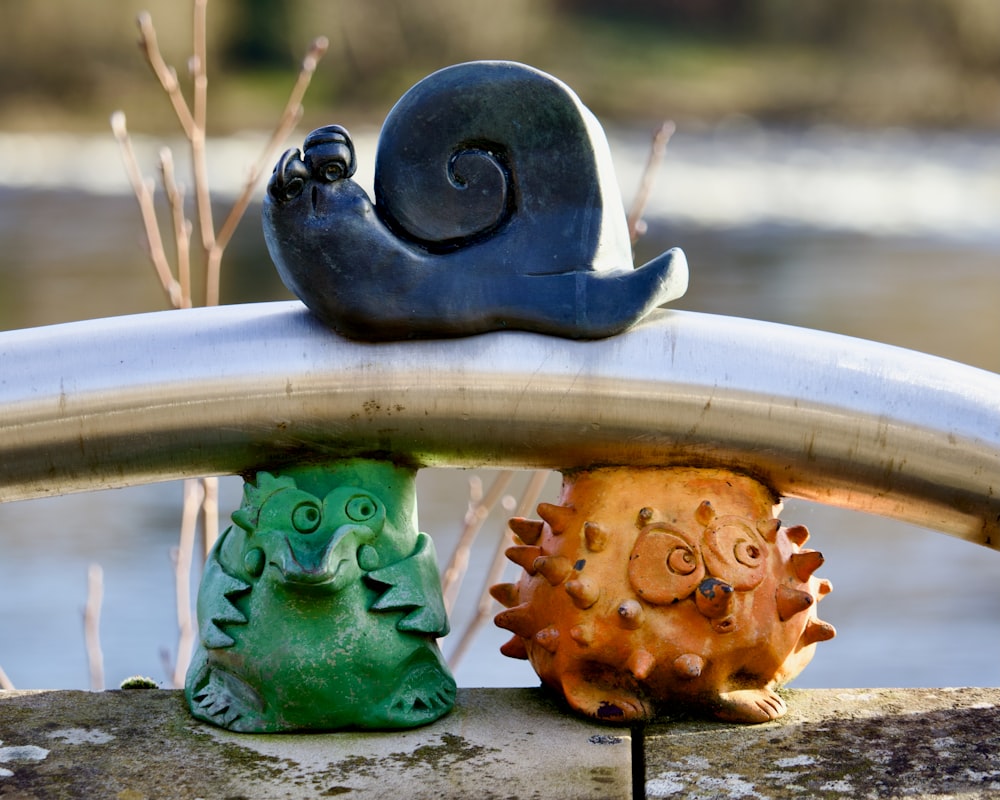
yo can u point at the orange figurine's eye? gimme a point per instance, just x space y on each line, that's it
664 566
735 552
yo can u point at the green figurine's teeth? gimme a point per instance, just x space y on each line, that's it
316 570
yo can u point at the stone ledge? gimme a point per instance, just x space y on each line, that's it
841 744
507 743
143 745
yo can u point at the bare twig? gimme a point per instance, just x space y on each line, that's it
210 513
636 225
5 682
486 601
167 76
92 626
197 135
194 494
289 118
193 121
144 195
479 510
182 227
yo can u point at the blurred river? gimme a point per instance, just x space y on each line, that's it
889 236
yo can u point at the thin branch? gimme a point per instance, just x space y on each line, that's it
479 510
144 195
166 75
636 226
197 135
486 602
210 512
92 626
182 227
193 497
289 118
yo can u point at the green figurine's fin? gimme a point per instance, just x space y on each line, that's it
216 608
224 699
414 583
426 693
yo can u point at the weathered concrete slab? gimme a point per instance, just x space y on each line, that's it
506 743
143 745
845 745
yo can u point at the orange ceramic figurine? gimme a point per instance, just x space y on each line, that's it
648 589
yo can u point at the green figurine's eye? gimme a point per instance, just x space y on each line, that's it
306 517
360 508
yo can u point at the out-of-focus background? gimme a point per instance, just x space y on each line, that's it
836 165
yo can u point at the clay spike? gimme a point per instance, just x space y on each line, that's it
595 536
555 569
817 631
506 594
583 592
768 528
519 619
581 634
630 614
797 534
548 638
689 666
791 602
824 588
641 663
524 556
527 530
704 513
804 564
558 517
515 648
714 598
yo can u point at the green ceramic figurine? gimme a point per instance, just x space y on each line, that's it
320 608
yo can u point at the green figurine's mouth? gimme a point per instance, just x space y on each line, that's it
316 579
313 569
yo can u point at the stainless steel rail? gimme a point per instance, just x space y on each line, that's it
845 422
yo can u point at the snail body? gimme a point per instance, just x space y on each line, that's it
495 207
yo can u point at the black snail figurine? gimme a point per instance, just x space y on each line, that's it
496 207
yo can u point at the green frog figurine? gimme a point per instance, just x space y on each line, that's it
320 607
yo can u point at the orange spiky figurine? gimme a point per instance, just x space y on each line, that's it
653 588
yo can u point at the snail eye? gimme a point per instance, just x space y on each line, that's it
306 517
329 160
332 170
361 507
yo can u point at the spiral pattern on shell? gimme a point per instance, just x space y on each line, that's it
457 160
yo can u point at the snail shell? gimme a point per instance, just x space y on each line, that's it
496 206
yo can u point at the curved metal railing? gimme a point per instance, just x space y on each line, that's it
842 421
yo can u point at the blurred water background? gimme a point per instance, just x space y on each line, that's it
814 180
